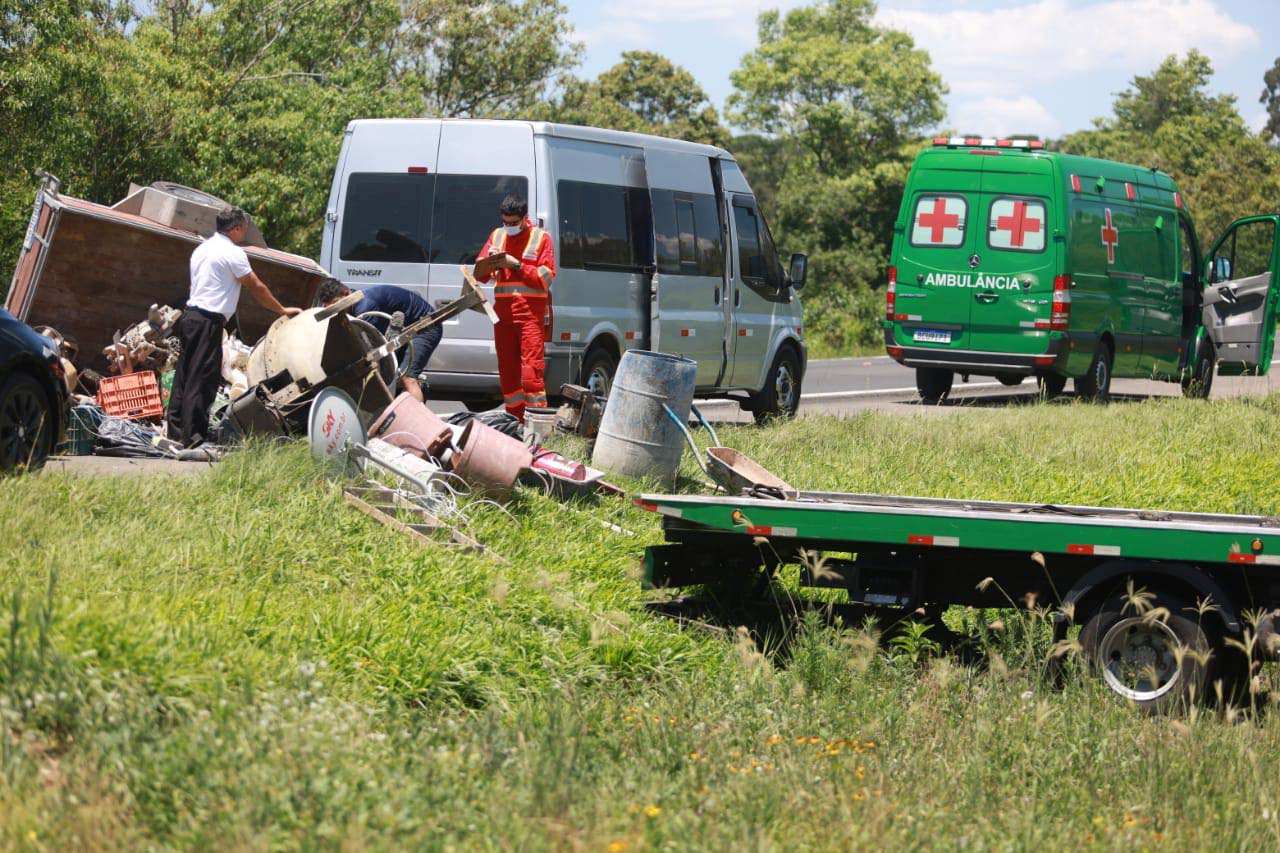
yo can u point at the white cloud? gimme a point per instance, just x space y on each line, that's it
997 61
1002 116
733 18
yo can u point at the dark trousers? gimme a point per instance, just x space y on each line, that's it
197 376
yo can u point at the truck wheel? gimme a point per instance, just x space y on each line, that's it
598 369
1159 664
1197 385
933 383
1051 384
780 396
1096 384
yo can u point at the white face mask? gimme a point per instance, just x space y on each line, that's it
512 230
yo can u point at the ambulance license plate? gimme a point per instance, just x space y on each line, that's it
931 336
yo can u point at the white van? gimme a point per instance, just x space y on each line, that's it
659 246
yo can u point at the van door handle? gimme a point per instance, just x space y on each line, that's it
986 298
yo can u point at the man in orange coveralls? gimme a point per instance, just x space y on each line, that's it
522 301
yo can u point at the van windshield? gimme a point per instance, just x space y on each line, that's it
419 218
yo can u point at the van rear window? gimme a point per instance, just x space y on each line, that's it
414 218
1017 224
939 220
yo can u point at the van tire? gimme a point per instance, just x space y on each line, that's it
1011 380
780 396
1200 382
598 370
1051 384
1096 384
933 383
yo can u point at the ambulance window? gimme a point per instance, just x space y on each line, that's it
385 218
939 220
465 213
1017 224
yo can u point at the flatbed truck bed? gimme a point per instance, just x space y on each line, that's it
1217 575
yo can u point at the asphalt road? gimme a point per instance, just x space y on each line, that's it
849 385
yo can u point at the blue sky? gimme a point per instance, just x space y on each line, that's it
1013 66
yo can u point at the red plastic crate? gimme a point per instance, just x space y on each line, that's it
134 396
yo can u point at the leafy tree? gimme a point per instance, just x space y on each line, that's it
645 93
480 58
1271 100
845 101
1167 120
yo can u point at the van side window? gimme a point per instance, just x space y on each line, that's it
939 220
757 259
1017 224
386 217
465 213
603 226
687 230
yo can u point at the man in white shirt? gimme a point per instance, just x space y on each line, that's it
219 268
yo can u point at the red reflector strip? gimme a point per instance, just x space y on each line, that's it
935 541
564 336
988 153
646 505
1036 324
1004 143
687 333
1128 190
1046 359
417 170
1177 200
1075 183
907 316
1095 550
631 336
570 336
765 530
893 350
1260 559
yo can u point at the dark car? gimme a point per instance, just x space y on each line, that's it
33 395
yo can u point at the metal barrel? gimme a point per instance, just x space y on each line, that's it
637 437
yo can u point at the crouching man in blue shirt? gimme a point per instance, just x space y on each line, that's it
388 299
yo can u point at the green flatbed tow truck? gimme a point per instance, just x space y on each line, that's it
1216 576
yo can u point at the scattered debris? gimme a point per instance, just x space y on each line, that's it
151 344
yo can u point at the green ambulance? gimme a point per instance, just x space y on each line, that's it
1011 261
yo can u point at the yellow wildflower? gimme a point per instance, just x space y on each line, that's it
653 811
617 846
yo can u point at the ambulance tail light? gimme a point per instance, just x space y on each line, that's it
890 293
1061 309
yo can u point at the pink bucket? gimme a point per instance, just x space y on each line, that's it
407 424
489 461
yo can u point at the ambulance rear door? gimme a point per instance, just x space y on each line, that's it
1240 297
940 233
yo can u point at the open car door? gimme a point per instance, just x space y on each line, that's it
1240 296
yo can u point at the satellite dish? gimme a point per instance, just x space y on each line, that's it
334 427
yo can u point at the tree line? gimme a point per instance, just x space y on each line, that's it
247 99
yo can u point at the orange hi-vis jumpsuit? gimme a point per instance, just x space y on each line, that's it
522 301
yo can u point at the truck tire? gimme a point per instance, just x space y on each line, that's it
1051 384
598 370
933 383
1159 664
1096 384
1200 382
780 396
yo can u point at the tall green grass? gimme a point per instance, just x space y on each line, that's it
242 660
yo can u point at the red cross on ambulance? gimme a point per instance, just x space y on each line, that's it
1110 238
939 222
1017 224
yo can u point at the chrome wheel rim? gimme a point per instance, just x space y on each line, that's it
1139 659
598 382
784 387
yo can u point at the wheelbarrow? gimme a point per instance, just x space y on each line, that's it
730 469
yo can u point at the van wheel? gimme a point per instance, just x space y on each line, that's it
1096 384
933 383
1051 384
1012 380
598 370
780 396
1198 384
1157 659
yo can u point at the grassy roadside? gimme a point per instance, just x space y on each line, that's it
243 660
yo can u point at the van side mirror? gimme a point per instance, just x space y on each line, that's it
1222 269
799 270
